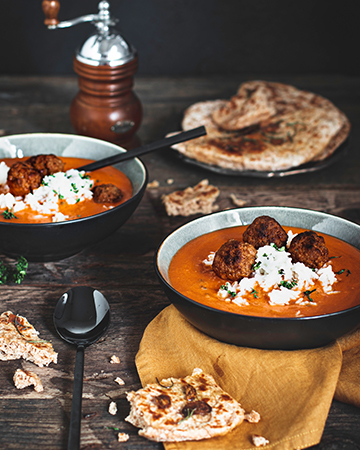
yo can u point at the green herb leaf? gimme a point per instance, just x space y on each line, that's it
15 274
288 284
8 214
308 293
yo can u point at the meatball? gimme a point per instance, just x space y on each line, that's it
310 249
265 231
46 164
234 260
106 193
23 179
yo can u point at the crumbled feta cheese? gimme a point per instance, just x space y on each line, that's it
4 169
71 187
210 259
277 276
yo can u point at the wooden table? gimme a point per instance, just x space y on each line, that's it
122 265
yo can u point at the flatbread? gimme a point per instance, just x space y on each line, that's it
19 339
304 127
24 378
182 409
192 200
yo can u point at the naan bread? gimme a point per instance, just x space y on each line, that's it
192 200
182 409
19 339
25 378
282 127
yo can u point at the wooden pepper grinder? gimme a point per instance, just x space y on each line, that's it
105 106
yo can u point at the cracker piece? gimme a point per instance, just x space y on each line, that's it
25 378
192 200
112 408
181 409
259 441
19 339
122 437
237 201
119 381
114 360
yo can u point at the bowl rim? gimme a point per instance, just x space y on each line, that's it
80 219
228 313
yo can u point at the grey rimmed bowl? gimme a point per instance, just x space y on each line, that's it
260 332
59 240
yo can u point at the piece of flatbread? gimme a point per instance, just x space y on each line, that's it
19 339
305 127
192 200
182 409
249 107
25 378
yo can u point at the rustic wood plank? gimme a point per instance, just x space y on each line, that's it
121 266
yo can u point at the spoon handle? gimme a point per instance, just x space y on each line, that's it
166 142
75 418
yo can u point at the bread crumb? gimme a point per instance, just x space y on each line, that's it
192 200
114 360
123 437
237 201
259 441
252 417
112 408
170 181
153 185
119 381
25 378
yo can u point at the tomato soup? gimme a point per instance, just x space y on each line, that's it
191 277
84 208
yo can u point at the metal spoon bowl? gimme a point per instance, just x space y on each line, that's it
81 317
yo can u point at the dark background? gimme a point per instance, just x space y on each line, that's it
193 37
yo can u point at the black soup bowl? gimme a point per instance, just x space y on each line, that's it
55 241
250 331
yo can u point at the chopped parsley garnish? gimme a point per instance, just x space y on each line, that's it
342 271
255 266
226 288
8 214
281 249
288 284
15 274
254 293
308 293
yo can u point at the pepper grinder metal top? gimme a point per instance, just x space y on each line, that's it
105 106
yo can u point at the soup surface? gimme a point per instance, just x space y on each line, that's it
84 208
190 276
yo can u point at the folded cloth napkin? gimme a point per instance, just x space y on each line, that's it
292 390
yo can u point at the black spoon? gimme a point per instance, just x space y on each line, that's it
81 317
166 142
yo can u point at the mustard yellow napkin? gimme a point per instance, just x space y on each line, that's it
292 390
